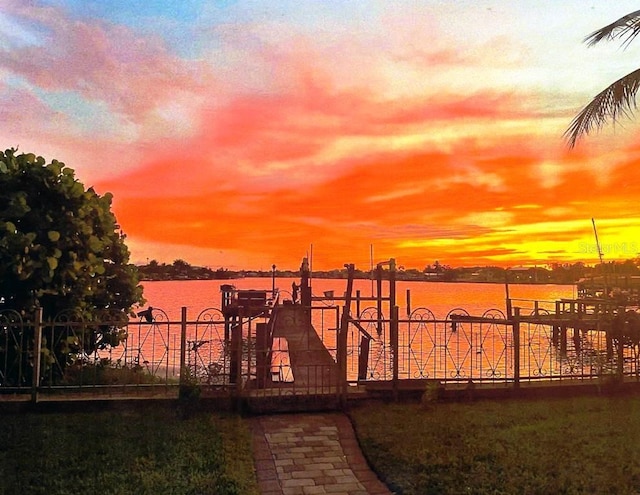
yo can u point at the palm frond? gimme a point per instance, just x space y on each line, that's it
626 28
617 100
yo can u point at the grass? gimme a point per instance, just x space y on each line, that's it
562 446
127 452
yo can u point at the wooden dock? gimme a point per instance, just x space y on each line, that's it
311 363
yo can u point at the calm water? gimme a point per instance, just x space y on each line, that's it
439 297
471 351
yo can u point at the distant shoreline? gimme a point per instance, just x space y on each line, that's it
398 279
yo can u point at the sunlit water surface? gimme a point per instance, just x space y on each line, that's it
439 297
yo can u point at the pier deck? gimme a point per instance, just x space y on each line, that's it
311 363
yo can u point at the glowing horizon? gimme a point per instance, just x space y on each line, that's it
239 134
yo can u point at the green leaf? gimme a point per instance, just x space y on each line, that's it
53 235
10 227
53 262
55 168
95 244
3 168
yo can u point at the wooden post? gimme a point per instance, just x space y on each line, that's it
183 345
236 350
363 358
37 354
249 350
408 303
227 291
236 334
555 336
563 340
261 355
342 336
393 335
507 297
379 297
392 284
305 287
516 348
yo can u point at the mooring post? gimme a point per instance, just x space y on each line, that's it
344 327
392 283
516 348
37 354
236 334
262 351
363 358
576 339
393 335
183 345
555 335
507 297
379 296
305 289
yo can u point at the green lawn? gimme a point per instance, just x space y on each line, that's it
553 446
125 453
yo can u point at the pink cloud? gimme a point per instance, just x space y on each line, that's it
102 62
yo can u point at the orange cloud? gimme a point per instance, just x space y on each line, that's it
287 141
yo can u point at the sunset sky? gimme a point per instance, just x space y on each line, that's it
242 134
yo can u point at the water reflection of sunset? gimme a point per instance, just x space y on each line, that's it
241 135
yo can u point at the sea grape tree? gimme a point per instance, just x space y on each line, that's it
61 248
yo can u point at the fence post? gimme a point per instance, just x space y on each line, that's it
342 335
37 354
393 337
516 348
236 337
183 346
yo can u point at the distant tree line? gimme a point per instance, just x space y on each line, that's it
556 273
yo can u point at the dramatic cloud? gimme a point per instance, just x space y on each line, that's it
240 135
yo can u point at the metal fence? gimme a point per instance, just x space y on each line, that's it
490 348
130 355
243 356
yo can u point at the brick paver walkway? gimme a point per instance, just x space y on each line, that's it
304 454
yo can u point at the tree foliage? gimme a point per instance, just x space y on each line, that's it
619 98
60 245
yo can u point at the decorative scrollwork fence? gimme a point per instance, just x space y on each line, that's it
490 348
209 352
